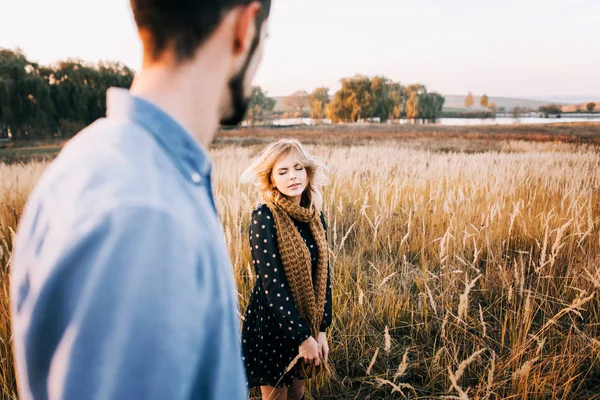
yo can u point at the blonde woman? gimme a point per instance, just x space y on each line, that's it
290 307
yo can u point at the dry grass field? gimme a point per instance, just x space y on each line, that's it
464 265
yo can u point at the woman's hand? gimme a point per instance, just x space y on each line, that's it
309 350
323 346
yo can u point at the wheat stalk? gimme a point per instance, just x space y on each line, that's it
372 362
387 341
402 367
464 299
396 387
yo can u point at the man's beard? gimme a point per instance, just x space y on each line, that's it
239 102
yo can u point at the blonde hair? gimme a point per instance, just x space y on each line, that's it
260 171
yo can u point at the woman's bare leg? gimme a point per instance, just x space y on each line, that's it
296 391
271 393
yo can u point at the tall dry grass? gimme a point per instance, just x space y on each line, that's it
16 182
454 275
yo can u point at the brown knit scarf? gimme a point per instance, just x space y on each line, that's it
307 290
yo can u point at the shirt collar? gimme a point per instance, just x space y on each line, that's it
192 160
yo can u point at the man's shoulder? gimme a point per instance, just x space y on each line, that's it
108 139
114 143
107 163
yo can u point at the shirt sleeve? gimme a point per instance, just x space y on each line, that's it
265 255
121 316
327 313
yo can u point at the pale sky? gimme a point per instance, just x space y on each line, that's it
518 48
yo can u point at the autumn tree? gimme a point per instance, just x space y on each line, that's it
484 101
261 106
296 102
469 100
318 101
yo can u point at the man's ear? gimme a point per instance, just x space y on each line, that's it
245 28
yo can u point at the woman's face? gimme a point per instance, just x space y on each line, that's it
289 177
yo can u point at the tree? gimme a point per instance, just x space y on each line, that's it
412 105
260 107
296 102
318 100
434 105
421 104
352 102
414 95
80 89
550 109
517 112
381 102
364 98
26 109
590 106
484 101
336 111
469 100
398 100
41 101
361 97
492 106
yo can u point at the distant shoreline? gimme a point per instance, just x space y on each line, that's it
572 132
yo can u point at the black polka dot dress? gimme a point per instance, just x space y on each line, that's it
272 329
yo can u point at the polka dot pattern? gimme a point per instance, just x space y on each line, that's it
272 328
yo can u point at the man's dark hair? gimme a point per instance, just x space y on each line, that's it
185 24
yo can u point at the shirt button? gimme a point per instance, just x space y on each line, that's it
196 178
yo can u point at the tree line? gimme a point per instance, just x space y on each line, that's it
360 98
38 101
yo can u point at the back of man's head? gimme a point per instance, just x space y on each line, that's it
184 25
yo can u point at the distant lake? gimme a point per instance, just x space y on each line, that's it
460 121
511 121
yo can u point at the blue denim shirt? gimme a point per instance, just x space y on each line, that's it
121 282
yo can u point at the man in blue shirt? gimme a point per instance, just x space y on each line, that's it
121 283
